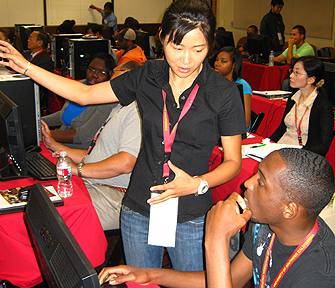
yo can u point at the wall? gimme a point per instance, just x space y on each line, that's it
226 11
31 11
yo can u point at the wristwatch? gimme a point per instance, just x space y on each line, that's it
79 165
203 187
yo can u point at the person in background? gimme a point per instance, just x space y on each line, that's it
37 54
308 119
218 44
66 27
273 26
297 46
9 36
252 29
283 199
184 81
131 22
78 124
108 16
229 64
128 50
95 30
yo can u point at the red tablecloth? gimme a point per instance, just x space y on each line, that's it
249 168
264 77
274 110
17 260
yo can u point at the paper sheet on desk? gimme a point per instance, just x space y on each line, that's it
260 151
163 223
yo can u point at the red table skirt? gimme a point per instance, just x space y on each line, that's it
17 260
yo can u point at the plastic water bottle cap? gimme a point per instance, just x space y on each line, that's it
63 154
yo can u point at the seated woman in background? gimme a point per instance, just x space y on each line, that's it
9 36
308 118
78 124
229 64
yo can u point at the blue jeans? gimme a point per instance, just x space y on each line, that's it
187 255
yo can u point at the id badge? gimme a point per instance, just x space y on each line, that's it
280 38
163 222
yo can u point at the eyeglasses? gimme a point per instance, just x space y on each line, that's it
295 73
99 72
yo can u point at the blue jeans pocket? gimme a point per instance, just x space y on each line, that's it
200 221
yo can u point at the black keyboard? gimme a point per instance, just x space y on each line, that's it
40 167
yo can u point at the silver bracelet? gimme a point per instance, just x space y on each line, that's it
28 66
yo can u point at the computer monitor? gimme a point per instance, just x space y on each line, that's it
228 38
24 93
259 48
12 152
330 81
62 262
142 40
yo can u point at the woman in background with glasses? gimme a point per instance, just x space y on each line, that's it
308 119
78 124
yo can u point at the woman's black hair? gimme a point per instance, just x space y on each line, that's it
313 66
236 58
13 38
109 62
183 16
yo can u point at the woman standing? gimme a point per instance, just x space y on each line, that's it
185 107
308 118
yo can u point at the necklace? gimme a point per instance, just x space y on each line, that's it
188 86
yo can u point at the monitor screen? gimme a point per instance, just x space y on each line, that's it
142 40
228 38
12 152
61 260
23 92
258 47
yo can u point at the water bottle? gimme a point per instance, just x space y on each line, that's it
64 173
271 59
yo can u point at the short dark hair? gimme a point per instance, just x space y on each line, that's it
109 62
130 65
44 37
254 27
308 179
277 2
183 16
95 29
236 58
131 22
301 29
313 66
109 5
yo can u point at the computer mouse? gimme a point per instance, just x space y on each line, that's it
33 148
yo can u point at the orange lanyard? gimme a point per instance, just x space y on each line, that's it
169 137
295 255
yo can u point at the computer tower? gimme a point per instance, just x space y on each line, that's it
60 48
330 81
81 53
25 93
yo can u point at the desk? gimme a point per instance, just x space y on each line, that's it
274 110
264 77
249 168
17 260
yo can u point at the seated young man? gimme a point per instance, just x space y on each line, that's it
287 244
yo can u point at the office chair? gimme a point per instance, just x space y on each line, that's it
256 120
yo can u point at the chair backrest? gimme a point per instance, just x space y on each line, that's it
314 48
256 121
326 53
241 41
